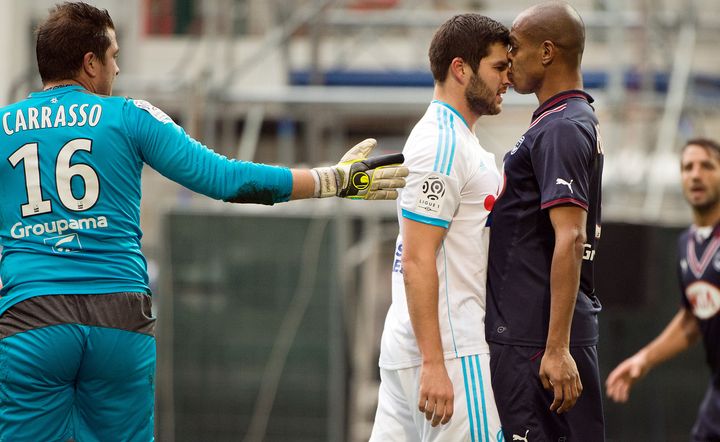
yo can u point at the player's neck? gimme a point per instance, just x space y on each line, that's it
60 83
709 217
458 102
554 84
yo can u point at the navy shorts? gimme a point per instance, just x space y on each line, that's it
707 425
524 405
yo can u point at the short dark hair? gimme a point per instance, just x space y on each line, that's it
706 143
71 30
468 36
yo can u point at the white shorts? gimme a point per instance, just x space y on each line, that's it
475 417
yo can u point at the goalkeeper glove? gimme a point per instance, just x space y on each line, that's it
358 177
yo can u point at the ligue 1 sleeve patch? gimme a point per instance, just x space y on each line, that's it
154 111
430 199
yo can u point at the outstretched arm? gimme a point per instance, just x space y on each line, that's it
679 335
558 371
356 176
420 245
171 151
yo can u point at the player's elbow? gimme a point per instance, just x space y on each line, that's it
414 265
572 238
578 238
410 266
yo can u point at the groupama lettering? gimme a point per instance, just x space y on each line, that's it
19 231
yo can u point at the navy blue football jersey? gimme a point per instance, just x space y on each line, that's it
699 274
558 161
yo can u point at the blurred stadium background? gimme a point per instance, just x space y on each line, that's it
270 317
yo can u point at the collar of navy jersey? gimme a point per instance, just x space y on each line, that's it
715 232
442 103
559 98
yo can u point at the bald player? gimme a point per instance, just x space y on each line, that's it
542 312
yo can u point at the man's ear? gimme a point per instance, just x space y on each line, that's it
90 64
459 70
548 52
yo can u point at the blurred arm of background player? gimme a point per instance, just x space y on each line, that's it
558 371
680 334
420 245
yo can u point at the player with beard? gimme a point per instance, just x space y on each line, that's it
699 313
434 360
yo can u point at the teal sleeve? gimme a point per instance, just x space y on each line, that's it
167 148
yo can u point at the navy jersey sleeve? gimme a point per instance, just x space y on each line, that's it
561 160
167 148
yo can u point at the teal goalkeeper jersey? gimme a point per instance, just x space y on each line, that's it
70 189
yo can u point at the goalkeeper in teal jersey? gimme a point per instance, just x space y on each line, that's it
77 346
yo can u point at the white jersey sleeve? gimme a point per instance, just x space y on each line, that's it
432 190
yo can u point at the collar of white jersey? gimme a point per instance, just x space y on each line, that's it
453 110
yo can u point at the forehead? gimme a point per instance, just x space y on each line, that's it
695 152
517 30
497 53
113 38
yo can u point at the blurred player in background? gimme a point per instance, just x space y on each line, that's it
699 272
435 380
80 364
542 311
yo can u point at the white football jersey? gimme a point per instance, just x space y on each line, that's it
453 183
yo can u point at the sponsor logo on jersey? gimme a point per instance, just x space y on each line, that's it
588 252
154 111
430 198
489 202
397 262
59 226
704 299
562 182
517 145
600 143
516 437
64 244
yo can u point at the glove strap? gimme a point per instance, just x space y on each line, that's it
326 182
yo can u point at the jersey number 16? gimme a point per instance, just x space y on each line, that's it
64 172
